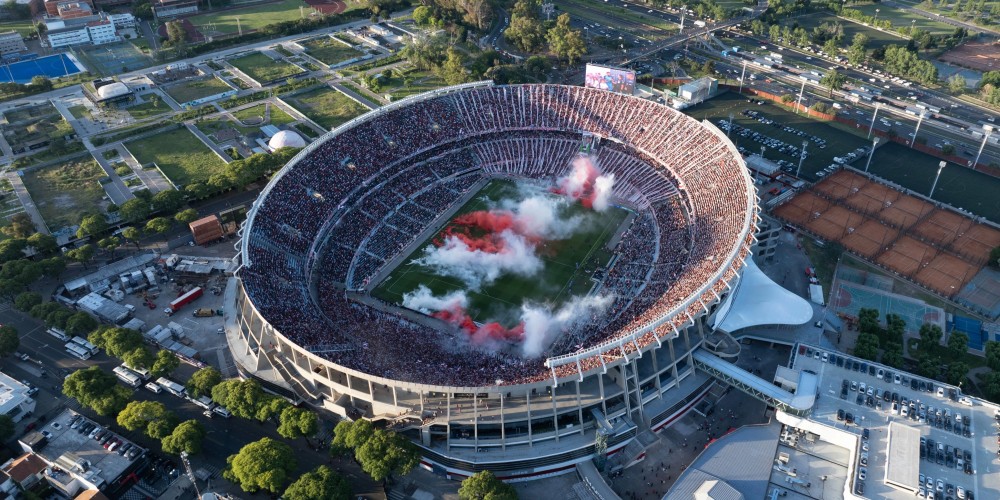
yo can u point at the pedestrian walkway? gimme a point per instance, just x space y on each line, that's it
29 206
117 191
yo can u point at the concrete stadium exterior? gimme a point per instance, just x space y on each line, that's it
596 400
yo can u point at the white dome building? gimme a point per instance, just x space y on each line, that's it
286 139
113 90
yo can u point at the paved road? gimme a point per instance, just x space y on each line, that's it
116 189
29 206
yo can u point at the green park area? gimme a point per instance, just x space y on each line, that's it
152 107
264 69
196 89
179 154
330 51
905 19
617 17
64 191
24 27
877 38
327 107
250 18
263 114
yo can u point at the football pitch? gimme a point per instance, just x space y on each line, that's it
567 264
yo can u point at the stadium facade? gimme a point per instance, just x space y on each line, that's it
594 398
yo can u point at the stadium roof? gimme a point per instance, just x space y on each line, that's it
760 301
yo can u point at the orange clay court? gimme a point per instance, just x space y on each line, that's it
937 248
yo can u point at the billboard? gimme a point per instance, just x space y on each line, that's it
613 79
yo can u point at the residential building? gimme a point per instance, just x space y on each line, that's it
74 10
14 399
96 30
25 470
122 21
52 6
11 43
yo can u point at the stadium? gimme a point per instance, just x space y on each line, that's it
515 277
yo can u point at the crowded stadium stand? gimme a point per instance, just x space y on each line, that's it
338 217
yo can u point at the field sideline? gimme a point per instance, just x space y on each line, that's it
501 301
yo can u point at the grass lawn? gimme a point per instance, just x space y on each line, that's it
251 115
959 186
148 109
79 112
901 18
327 107
421 81
198 89
566 263
25 27
838 142
253 17
264 69
179 154
877 38
617 18
63 192
330 51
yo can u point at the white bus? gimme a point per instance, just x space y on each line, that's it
141 372
76 351
93 349
171 386
59 334
127 376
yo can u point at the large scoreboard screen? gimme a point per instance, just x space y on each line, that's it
613 79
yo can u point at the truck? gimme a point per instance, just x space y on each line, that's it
185 299
204 312
171 387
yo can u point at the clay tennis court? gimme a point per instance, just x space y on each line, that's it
327 6
937 248
984 56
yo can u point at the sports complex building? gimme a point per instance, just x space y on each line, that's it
336 221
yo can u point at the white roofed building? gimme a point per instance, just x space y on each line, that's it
286 139
14 399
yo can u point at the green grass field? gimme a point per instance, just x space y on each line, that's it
420 82
877 38
148 109
179 154
264 69
198 89
959 186
255 115
250 18
327 107
62 192
566 271
838 142
901 18
25 27
330 51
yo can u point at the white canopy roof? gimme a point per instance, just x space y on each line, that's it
759 301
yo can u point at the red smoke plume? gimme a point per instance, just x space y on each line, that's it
480 230
479 334
579 183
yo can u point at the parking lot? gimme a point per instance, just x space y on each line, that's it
957 447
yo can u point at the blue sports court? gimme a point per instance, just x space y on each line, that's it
52 66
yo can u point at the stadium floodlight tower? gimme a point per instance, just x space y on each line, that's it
743 76
941 166
802 90
871 153
802 157
916 131
987 130
871 127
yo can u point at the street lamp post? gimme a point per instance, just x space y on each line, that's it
941 166
743 76
802 158
987 129
917 130
872 126
875 21
802 90
870 154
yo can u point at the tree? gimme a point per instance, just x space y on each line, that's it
21 226
81 324
895 327
321 483
115 340
9 340
140 357
956 372
866 346
893 355
271 407
484 485
422 15
453 70
261 465
928 366
26 300
53 266
930 338
993 355
6 428
166 362
958 345
167 201
12 249
134 210
868 321
186 437
42 243
91 225
525 30
241 397
132 234
186 216
565 42
995 258
201 383
831 47
381 453
857 51
83 254
158 225
296 422
110 244
150 417
956 83
833 80
98 390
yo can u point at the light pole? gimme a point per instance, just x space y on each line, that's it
872 126
917 130
802 158
743 76
941 166
872 153
730 129
988 129
875 22
802 90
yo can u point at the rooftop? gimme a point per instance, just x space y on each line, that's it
69 448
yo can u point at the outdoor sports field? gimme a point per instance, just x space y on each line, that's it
501 300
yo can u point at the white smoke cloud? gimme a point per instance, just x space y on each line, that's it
542 326
603 187
475 267
542 217
423 300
